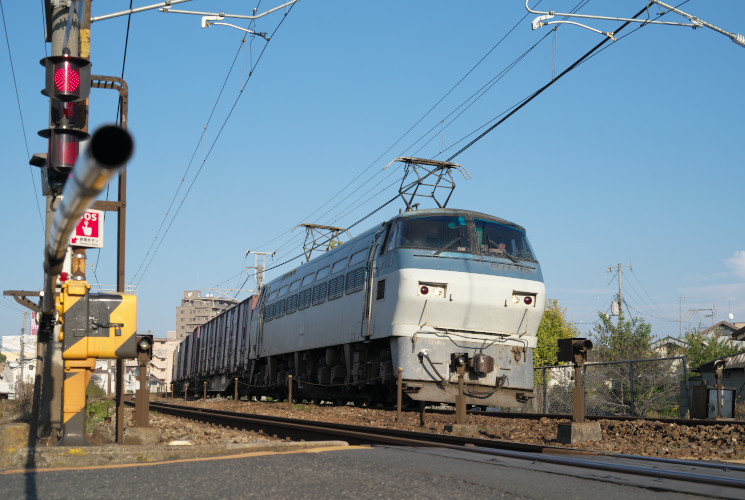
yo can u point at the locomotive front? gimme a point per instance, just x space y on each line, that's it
459 291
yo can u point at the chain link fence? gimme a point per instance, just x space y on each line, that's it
642 388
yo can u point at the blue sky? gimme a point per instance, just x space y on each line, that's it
633 158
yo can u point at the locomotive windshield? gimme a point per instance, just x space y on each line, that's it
464 235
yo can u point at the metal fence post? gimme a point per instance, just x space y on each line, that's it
235 393
205 390
632 389
687 387
545 390
289 392
399 385
186 392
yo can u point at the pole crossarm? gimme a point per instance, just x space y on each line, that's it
21 296
695 22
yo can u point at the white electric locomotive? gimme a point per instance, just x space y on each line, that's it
438 293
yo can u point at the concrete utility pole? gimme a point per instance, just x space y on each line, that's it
23 347
260 266
619 297
63 31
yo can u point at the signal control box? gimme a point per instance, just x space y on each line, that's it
97 325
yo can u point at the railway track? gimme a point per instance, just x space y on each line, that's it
628 418
724 476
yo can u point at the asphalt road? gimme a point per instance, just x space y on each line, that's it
380 472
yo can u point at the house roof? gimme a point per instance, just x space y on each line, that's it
726 326
668 341
731 362
739 334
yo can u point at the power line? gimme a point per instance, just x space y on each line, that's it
44 27
660 311
20 114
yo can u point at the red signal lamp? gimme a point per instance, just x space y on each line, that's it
68 77
64 276
424 290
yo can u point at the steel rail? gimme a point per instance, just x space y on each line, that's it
506 449
622 418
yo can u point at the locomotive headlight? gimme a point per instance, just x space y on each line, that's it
433 289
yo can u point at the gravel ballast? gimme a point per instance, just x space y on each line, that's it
724 441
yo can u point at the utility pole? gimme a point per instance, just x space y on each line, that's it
619 297
680 316
62 30
260 266
23 347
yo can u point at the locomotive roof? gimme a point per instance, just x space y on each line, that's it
364 240
457 211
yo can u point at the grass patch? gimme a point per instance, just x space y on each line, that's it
98 411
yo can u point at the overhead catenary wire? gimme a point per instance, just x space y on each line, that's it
119 118
202 136
466 105
369 214
214 142
523 102
514 108
472 98
486 87
482 91
528 99
404 134
538 92
191 161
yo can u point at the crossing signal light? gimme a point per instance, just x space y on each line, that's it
570 349
72 114
68 84
68 77
144 347
64 147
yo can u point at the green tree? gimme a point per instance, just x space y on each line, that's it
701 349
625 340
3 357
554 326
637 387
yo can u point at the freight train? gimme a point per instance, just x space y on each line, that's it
437 293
